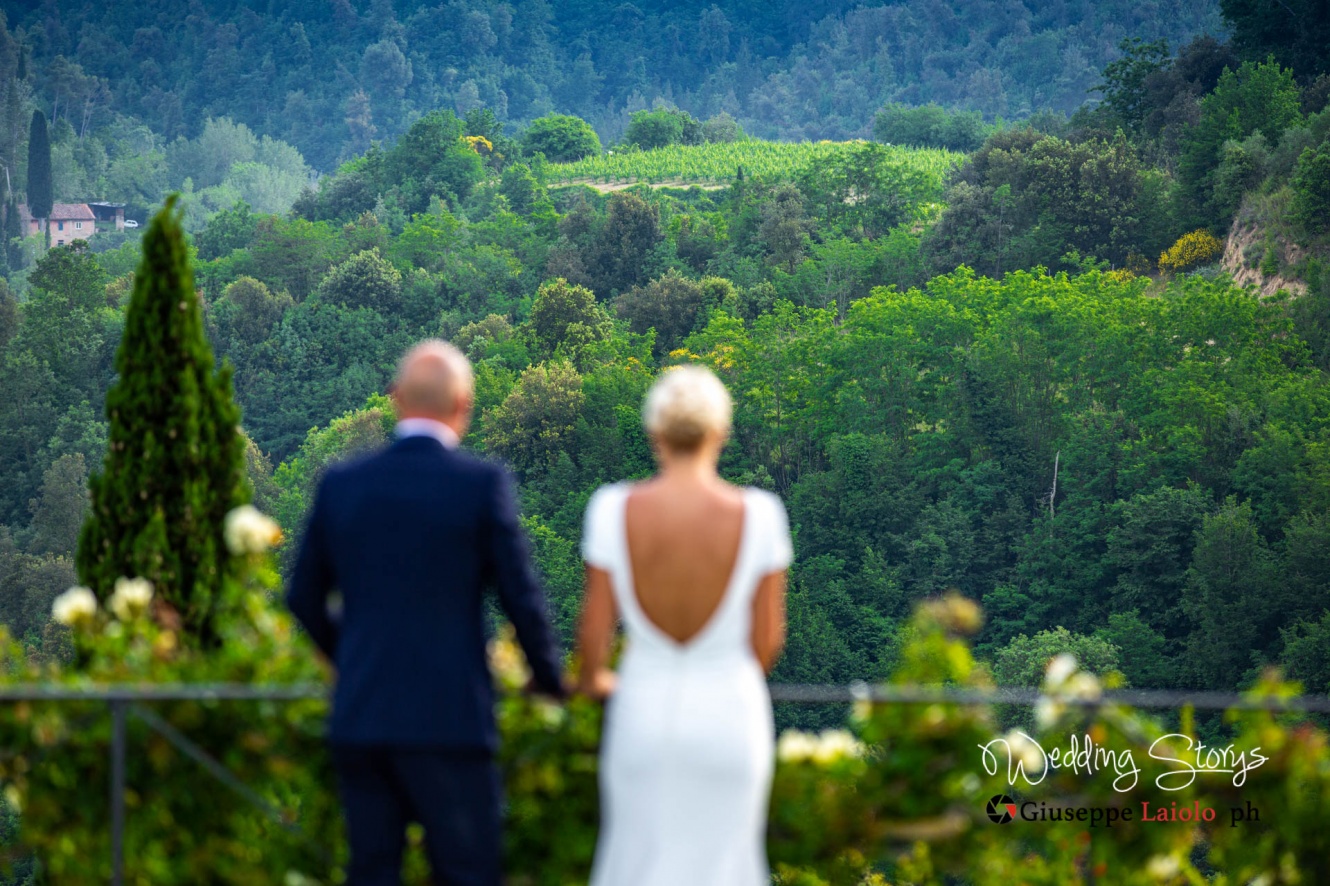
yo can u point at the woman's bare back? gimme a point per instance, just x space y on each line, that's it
683 544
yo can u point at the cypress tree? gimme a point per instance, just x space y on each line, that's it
175 461
41 197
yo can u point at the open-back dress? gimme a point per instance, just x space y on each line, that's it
688 747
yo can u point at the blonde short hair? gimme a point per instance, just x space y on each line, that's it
684 405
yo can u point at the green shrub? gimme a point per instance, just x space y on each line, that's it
1311 191
561 138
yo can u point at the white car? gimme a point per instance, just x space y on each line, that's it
130 223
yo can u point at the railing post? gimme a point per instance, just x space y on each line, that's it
117 793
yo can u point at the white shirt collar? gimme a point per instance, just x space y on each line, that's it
428 427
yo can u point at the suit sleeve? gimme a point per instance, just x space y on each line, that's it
313 579
520 595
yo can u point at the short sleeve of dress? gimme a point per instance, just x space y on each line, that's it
779 547
597 537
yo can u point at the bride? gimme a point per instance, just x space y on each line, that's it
695 568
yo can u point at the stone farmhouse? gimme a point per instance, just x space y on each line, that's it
73 221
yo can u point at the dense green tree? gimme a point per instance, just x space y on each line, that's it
929 126
74 275
785 226
697 240
366 279
520 188
1296 32
1023 661
67 315
1305 569
1306 654
1232 598
721 128
561 138
256 309
13 235
58 512
175 463
8 315
227 231
865 192
293 255
672 305
1311 190
431 158
1151 546
1142 651
1126 86
537 419
354 433
1027 199
1257 97
617 259
564 312
661 127
28 585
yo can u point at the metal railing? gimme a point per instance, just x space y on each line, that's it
126 700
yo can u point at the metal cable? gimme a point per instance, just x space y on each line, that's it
796 693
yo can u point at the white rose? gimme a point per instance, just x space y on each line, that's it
1048 712
1083 685
1060 668
795 746
130 598
249 531
1163 867
835 744
1024 749
74 607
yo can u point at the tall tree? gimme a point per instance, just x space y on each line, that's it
13 233
41 195
175 464
1297 32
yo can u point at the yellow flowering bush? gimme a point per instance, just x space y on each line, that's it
479 144
1195 248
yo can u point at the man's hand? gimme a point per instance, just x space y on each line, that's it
565 689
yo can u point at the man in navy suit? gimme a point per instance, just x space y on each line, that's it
411 537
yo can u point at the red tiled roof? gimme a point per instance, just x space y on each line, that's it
72 212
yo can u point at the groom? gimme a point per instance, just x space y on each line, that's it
411 537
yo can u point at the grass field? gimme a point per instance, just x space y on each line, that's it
720 163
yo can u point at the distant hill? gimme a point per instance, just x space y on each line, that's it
330 76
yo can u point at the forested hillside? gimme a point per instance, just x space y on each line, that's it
993 357
330 77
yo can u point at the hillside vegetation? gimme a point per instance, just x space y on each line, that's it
970 355
332 77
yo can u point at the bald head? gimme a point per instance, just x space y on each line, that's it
433 381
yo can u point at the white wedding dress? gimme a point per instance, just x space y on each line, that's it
688 748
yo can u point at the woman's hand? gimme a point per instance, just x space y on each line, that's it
598 684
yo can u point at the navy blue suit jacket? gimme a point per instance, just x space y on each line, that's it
412 536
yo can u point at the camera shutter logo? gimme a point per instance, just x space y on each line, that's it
1001 809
